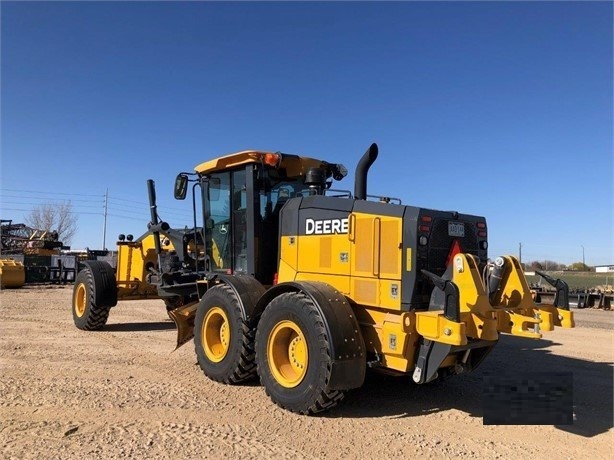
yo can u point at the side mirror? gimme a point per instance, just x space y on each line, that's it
181 186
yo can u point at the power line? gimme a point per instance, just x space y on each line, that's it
142 203
145 206
46 192
46 198
126 217
104 228
127 200
38 204
70 212
111 200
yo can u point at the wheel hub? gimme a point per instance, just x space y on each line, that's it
80 300
287 354
215 334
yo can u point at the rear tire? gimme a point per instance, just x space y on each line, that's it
223 339
293 354
92 298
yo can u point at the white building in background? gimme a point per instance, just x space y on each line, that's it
604 268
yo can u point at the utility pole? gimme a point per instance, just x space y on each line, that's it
520 252
583 258
104 228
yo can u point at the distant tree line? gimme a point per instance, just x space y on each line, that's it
58 217
550 265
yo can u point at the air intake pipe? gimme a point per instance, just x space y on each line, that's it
360 179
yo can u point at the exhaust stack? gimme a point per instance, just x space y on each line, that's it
360 179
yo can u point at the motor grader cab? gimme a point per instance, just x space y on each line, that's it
281 276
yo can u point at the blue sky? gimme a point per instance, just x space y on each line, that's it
501 109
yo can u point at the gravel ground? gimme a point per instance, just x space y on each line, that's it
123 392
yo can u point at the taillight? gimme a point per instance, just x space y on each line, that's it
275 280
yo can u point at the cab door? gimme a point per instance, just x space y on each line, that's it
226 221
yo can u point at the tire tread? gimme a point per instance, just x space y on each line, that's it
245 366
326 398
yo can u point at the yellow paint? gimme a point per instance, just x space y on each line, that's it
287 354
391 335
364 291
476 311
390 247
432 325
183 317
515 294
215 334
558 317
288 254
294 166
285 272
517 324
80 300
321 254
12 274
375 260
513 310
389 292
133 260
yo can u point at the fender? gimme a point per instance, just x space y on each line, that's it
248 290
104 282
346 341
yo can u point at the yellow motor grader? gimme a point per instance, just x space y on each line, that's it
283 277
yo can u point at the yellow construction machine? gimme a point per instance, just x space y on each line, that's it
283 277
12 274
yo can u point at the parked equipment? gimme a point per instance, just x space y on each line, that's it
36 254
282 277
12 274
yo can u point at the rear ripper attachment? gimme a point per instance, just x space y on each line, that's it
464 320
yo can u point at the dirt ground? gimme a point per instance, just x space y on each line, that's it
122 392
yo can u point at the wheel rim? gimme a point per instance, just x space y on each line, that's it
80 300
215 334
287 354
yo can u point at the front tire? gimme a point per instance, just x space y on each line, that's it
223 339
293 354
93 296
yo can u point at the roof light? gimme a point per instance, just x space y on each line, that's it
272 159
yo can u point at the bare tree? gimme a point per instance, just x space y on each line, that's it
58 217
